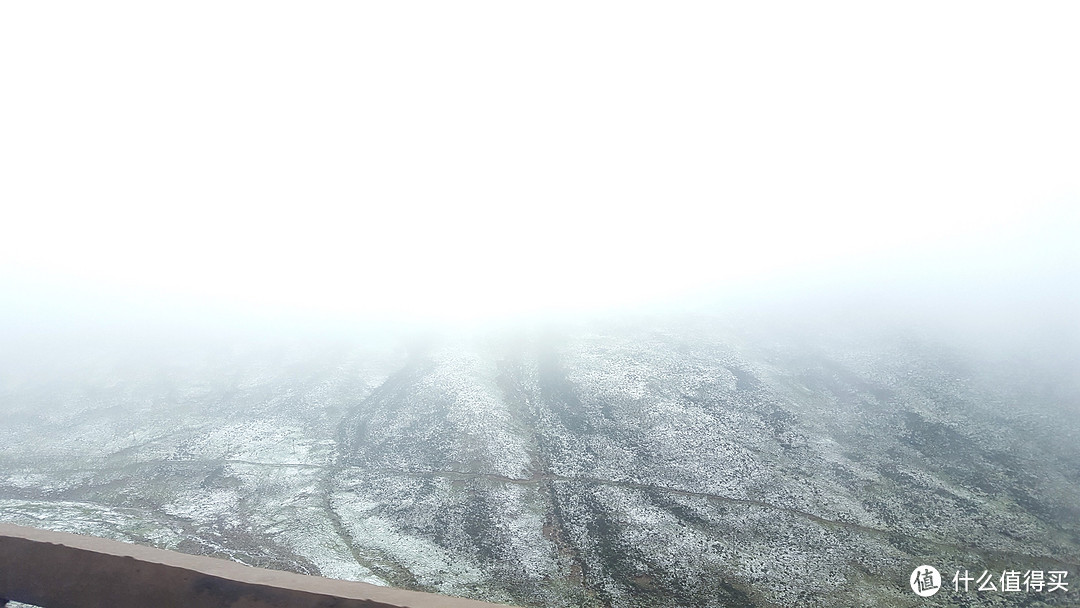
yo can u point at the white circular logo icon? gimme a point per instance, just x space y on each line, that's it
925 581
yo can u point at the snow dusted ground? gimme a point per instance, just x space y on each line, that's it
696 462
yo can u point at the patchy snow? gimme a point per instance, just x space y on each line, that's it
431 564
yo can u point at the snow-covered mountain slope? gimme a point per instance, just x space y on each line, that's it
668 463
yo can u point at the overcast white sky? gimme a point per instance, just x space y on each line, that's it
464 158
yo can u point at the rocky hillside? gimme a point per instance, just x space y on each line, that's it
665 462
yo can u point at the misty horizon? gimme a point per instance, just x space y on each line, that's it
553 305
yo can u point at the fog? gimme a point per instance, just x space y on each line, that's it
481 161
683 303
996 291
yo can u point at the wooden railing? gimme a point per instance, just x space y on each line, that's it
60 570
